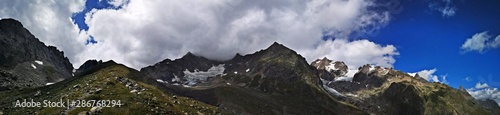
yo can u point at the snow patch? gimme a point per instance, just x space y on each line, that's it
49 83
333 91
39 62
235 72
329 89
345 78
193 78
247 70
175 78
331 67
372 67
351 72
351 95
412 74
32 65
159 80
348 76
228 83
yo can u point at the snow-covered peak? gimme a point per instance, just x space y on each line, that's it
322 63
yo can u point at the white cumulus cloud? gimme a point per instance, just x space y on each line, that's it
483 91
429 75
143 32
480 42
355 53
480 86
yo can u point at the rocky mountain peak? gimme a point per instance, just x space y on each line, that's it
10 23
278 48
189 55
321 63
417 76
28 61
89 64
329 69
365 68
341 66
461 88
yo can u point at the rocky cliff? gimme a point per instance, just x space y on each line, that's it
27 62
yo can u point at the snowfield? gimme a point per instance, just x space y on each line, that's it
193 78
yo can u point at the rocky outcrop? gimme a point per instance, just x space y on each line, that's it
27 62
461 88
403 99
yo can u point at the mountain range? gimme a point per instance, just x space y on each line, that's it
275 80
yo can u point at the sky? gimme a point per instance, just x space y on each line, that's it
456 42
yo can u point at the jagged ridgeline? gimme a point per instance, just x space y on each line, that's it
272 81
380 90
275 80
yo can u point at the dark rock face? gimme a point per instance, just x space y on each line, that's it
368 77
490 105
404 99
89 64
27 62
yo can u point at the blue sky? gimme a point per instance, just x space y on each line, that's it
426 39
79 18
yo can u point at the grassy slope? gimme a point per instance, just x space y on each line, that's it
151 100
